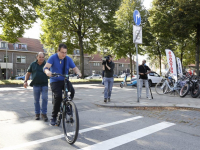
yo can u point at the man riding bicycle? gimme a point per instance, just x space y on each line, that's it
59 63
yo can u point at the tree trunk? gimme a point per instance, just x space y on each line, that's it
197 48
81 53
160 57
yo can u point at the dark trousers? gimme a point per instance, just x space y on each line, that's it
57 88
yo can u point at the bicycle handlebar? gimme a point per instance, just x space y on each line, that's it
58 74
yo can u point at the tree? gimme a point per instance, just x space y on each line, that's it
122 40
15 17
76 23
179 19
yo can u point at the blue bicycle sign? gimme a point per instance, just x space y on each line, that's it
137 17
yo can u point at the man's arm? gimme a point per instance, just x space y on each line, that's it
103 67
111 68
26 79
77 71
149 70
46 69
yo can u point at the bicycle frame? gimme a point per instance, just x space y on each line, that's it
174 88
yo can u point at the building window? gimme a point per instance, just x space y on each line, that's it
20 46
5 57
3 44
20 72
21 59
121 65
96 64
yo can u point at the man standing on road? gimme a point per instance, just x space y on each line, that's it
40 85
108 78
59 63
144 78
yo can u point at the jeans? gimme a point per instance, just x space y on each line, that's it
57 88
108 83
37 90
146 85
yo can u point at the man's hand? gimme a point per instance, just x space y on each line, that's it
107 66
48 73
25 84
79 74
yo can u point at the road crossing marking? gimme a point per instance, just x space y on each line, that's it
123 139
61 136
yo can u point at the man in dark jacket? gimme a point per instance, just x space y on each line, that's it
108 78
144 70
40 85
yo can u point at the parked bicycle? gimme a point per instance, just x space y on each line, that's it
68 114
169 86
192 85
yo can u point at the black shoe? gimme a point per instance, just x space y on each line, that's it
53 121
105 100
108 99
44 117
37 116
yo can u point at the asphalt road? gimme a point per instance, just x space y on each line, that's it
100 128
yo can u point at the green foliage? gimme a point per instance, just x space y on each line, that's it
178 22
75 23
15 17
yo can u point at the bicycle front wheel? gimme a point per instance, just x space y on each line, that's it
184 90
160 88
70 122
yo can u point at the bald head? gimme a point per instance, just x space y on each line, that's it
40 57
143 62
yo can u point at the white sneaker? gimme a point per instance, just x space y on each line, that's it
149 97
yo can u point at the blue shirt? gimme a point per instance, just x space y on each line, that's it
58 66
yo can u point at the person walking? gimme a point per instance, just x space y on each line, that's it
144 70
108 78
40 85
59 63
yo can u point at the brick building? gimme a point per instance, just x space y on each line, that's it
93 64
22 53
19 56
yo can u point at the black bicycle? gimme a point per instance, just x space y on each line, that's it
68 114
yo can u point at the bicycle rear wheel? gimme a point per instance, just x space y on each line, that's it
70 122
160 88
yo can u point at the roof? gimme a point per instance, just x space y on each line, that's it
192 65
98 58
33 45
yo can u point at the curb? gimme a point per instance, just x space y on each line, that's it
10 85
152 107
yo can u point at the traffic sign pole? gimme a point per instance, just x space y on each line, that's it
137 40
138 100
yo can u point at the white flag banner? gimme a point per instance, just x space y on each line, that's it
180 69
171 59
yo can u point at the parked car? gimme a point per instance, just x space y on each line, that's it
73 76
153 78
115 76
21 77
94 76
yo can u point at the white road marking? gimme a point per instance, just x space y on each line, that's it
123 139
61 136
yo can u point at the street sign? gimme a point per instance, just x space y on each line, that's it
137 34
137 17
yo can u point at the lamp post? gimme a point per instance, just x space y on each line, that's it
6 60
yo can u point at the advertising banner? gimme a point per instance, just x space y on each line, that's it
180 69
171 59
